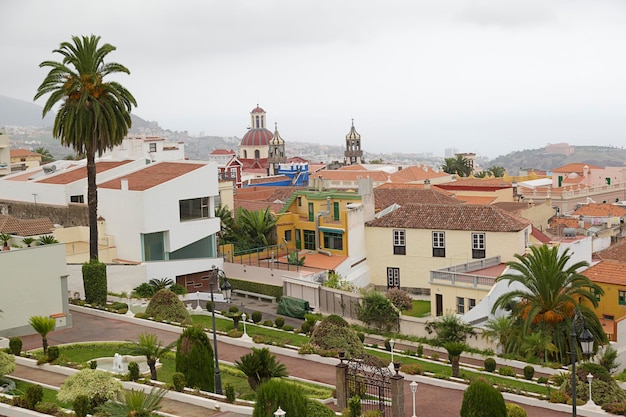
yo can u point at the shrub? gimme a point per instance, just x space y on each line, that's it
305 328
194 358
234 333
53 353
178 289
7 363
144 290
229 391
95 282
506 371
388 344
609 359
93 364
33 395
420 350
618 408
306 349
288 328
178 381
400 299
354 405
435 356
15 346
542 380
82 406
279 322
141 315
209 306
361 336
317 409
165 306
558 396
99 386
333 334
489 364
233 309
256 316
376 310
275 393
412 369
133 371
260 366
529 372
481 399
268 323
47 408
514 410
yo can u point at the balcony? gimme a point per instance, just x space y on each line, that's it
461 275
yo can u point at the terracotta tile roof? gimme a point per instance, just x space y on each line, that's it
222 152
25 227
152 175
387 194
416 173
250 164
451 217
607 272
481 184
353 167
539 235
259 198
22 153
575 167
70 176
616 252
23 177
512 206
264 180
600 210
476 199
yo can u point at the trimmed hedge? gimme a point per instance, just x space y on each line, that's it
95 282
271 290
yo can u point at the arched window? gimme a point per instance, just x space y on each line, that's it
257 122
245 154
257 154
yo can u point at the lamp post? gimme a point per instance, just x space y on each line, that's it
413 386
280 412
226 288
590 380
586 344
214 275
243 318
391 343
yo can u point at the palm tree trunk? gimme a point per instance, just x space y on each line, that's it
455 366
153 371
44 342
92 202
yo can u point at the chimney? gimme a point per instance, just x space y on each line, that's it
124 184
427 184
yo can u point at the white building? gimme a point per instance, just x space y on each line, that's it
151 148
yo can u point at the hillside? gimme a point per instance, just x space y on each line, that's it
539 159
15 112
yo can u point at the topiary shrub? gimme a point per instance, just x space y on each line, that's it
233 309
15 346
412 369
256 316
7 363
178 289
514 410
334 334
95 282
99 386
194 358
489 364
144 290
141 315
93 364
388 344
133 371
53 353
288 328
529 372
229 392
275 393
420 350
481 399
33 395
82 406
234 333
178 381
317 409
268 323
506 371
354 406
47 408
542 380
279 322
305 328
165 306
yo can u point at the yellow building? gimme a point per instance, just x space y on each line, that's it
23 159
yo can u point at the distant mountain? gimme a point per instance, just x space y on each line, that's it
14 112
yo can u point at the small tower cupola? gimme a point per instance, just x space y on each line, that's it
276 152
353 153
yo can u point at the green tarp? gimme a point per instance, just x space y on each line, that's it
293 307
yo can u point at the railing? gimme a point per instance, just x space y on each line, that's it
458 274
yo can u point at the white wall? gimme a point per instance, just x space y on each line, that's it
120 278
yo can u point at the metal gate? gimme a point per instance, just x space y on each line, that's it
369 379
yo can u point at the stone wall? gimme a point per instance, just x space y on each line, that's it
72 215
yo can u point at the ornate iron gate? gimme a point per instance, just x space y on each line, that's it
369 379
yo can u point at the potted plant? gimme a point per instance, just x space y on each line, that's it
28 241
4 237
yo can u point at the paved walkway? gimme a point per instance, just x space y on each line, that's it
431 401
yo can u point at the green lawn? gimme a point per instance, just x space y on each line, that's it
421 308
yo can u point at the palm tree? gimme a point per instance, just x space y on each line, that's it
260 366
46 156
161 283
4 238
43 325
257 227
227 222
500 329
552 291
28 241
94 115
134 403
151 347
538 344
459 166
449 166
47 240
455 349
497 171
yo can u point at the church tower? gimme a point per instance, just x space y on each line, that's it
276 152
255 142
353 153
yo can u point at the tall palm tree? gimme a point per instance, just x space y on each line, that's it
552 291
497 171
94 115
227 222
151 347
46 156
43 325
257 227
134 403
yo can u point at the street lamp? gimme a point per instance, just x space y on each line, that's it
590 379
391 343
280 412
226 288
586 344
413 386
214 275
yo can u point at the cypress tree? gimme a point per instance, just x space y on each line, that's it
194 358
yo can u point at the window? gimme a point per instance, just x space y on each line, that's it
309 239
195 208
257 154
399 242
299 201
460 305
152 147
153 246
298 239
77 199
471 303
393 277
288 235
622 298
596 294
233 173
439 244
478 245
333 241
311 212
336 210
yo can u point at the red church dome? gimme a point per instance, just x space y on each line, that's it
257 137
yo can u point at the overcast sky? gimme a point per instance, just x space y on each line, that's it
484 76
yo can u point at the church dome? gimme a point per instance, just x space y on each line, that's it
257 137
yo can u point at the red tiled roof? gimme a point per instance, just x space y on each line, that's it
575 167
615 252
152 175
68 177
539 235
476 199
25 227
22 153
480 184
511 206
451 217
222 152
416 173
352 175
387 194
607 272
600 210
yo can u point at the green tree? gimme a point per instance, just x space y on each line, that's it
134 403
46 156
165 305
500 329
552 288
260 366
161 283
194 358
497 171
257 228
43 325
152 348
449 328
481 399
455 349
376 309
94 114
97 385
293 259
537 344
47 240
28 241
608 360
460 166
279 393
5 238
7 363
227 232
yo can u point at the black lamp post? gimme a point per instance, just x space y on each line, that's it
215 273
586 344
